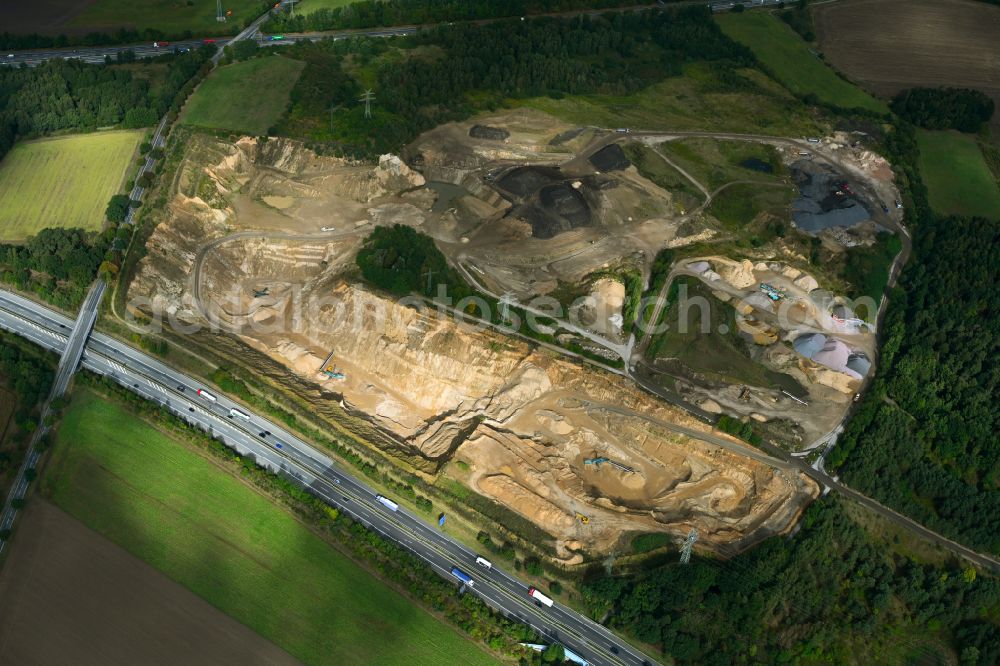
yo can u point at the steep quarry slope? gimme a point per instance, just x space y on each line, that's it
522 420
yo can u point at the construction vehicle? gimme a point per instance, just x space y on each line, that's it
582 518
596 462
330 370
774 293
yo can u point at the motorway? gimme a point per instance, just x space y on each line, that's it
96 54
285 454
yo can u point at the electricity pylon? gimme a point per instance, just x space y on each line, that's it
367 99
688 545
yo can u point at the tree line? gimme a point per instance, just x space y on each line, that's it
63 95
56 264
28 372
830 594
449 73
381 13
924 440
962 109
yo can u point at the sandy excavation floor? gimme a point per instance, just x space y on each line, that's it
71 596
246 245
772 329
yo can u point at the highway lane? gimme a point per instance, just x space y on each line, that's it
40 324
300 462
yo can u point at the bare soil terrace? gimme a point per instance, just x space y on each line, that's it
891 45
72 596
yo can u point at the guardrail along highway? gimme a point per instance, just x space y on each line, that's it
287 455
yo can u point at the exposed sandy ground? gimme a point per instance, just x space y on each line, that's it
631 218
70 596
891 45
522 419
772 329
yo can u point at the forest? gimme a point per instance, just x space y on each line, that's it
379 13
447 74
57 264
924 438
26 371
961 109
830 594
402 261
71 95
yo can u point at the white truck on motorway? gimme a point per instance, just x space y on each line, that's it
207 396
484 563
235 413
387 503
539 597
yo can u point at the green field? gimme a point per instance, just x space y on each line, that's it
740 204
234 547
957 178
704 98
169 16
788 57
245 97
308 6
62 182
714 163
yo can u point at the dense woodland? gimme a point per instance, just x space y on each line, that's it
28 372
377 13
830 594
71 95
56 264
925 438
447 74
403 261
961 109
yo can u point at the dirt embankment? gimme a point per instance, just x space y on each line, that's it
524 422
72 596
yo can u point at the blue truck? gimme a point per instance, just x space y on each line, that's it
462 576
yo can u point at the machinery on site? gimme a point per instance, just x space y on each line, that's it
596 462
774 293
330 370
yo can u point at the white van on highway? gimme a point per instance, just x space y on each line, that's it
484 563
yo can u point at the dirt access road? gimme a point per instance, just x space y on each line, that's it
72 596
